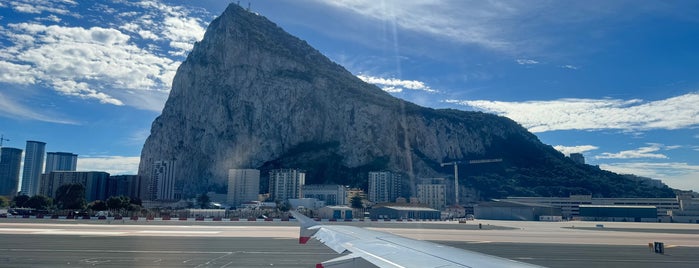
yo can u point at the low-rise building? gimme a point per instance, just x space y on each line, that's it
409 212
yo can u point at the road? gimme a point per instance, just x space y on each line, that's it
47 243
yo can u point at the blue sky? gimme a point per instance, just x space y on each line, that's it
615 80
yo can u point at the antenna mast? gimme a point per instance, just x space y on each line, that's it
2 138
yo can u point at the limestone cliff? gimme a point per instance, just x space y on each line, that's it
249 95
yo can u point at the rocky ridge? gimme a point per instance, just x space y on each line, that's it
249 95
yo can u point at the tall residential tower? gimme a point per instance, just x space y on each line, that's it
10 161
33 162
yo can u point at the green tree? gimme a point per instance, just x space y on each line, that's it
39 202
97 205
356 202
284 206
71 196
18 201
118 202
4 201
136 201
203 200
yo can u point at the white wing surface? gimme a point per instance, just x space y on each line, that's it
369 248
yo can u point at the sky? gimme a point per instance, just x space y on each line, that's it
617 81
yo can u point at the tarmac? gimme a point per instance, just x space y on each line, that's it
51 243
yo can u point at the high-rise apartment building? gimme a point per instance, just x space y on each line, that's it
61 161
10 162
243 186
33 162
384 186
432 192
162 181
286 184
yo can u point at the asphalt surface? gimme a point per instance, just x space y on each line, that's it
267 244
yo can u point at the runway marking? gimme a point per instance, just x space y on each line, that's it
66 232
31 230
180 232
114 251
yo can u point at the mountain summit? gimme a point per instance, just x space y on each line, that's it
250 95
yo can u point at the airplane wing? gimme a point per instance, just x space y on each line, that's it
369 248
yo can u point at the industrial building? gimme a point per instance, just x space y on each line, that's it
515 211
618 213
399 212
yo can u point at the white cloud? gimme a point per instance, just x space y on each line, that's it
675 174
526 62
114 165
568 66
395 85
41 6
12 109
175 24
83 62
594 114
567 150
643 152
119 62
475 23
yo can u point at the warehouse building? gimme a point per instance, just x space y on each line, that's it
513 211
618 213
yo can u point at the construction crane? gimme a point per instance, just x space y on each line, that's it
456 172
2 138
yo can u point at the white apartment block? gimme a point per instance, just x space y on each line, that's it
162 182
285 184
384 186
332 194
433 192
243 186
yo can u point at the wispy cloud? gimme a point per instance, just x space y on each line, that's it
674 174
12 109
396 85
570 67
567 150
595 114
42 6
526 62
114 165
643 152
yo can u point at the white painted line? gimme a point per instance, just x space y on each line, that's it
65 232
178 232
31 230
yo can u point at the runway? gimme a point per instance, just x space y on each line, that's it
49 243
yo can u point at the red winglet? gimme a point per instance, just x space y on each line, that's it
319 265
304 239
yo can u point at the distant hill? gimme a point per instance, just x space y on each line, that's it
249 95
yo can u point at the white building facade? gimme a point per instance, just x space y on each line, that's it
286 184
243 186
384 186
332 194
162 182
433 192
